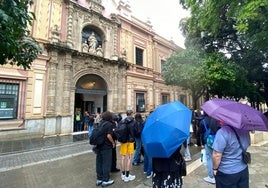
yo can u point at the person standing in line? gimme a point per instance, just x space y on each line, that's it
147 161
147 165
104 152
139 126
97 119
114 156
86 120
90 124
198 116
127 149
228 167
212 124
168 172
78 121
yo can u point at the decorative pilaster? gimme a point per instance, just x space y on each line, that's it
51 93
70 25
67 86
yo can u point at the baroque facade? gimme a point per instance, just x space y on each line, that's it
96 56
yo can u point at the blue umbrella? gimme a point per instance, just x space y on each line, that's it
166 128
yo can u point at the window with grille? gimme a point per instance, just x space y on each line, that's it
8 100
139 56
140 102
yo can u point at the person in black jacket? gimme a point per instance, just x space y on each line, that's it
138 129
114 156
104 152
168 172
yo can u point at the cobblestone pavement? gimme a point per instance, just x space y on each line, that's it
71 163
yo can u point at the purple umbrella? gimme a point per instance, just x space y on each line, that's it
236 114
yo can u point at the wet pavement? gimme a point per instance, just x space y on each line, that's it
68 161
24 145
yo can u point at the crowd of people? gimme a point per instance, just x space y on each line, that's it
225 167
132 153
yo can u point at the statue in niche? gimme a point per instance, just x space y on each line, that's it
85 47
99 51
92 41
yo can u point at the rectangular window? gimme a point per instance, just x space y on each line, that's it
8 100
139 56
140 102
165 98
162 65
182 98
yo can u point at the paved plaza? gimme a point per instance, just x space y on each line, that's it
68 162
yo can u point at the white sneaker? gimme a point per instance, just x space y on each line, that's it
107 183
129 178
123 177
209 180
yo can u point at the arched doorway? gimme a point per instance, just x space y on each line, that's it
90 95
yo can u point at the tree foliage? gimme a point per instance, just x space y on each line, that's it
185 69
238 28
16 45
200 73
225 78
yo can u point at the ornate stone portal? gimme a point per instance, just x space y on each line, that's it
90 56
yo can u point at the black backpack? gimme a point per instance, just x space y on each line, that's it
98 135
122 131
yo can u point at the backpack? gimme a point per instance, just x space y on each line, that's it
122 131
98 135
138 127
209 136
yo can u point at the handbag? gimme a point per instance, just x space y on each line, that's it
246 156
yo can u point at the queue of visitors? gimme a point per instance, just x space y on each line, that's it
225 167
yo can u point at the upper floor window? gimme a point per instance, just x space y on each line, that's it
165 98
139 56
162 65
8 100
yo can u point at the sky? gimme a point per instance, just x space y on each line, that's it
164 15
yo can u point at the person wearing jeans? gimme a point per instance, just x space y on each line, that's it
187 153
210 177
212 124
137 153
139 124
147 165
